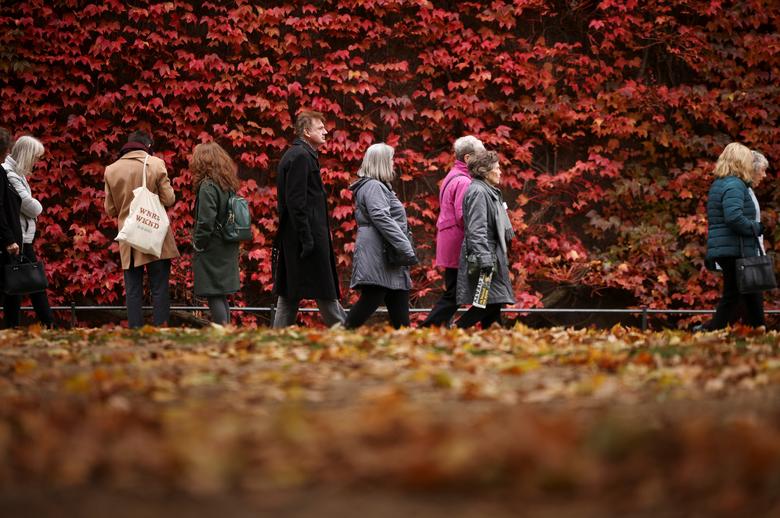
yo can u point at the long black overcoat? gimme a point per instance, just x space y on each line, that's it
304 222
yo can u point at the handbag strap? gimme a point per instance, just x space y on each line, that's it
758 246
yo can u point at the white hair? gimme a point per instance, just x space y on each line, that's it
467 145
26 151
378 163
759 161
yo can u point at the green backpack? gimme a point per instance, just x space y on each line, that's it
237 226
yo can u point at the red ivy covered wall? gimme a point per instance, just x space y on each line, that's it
608 116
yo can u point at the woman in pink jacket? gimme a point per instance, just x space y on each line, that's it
449 228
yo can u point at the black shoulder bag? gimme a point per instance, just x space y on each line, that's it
755 274
23 276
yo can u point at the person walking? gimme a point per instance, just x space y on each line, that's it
121 178
487 234
10 221
733 229
215 261
449 228
18 165
306 265
382 224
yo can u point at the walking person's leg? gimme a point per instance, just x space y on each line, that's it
286 312
397 303
492 315
370 299
11 310
134 295
729 300
754 303
446 306
331 311
471 317
218 306
159 276
40 300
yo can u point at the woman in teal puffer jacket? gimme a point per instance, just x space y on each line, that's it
733 232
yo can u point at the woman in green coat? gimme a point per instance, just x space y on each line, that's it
215 262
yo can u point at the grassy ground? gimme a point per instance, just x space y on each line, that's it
306 422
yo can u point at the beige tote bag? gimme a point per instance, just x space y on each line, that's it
147 222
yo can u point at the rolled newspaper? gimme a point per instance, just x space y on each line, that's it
483 289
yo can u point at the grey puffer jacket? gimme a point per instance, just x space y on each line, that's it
380 217
488 232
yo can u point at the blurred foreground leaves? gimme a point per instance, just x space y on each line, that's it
646 417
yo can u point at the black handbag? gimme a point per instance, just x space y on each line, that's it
755 274
23 276
394 258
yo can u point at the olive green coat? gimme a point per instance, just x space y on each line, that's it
215 262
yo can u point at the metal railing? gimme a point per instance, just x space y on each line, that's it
643 312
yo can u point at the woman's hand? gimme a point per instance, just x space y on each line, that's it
12 249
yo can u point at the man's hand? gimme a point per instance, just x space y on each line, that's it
307 249
12 249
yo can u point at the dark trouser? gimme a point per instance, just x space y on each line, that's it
446 306
396 301
220 309
40 301
159 272
486 316
731 297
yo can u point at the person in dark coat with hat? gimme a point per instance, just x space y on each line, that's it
306 265
10 209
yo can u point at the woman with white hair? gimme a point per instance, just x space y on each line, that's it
382 239
26 152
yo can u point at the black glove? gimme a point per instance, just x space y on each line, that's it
487 270
307 249
761 229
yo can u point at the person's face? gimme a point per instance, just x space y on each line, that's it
315 133
758 175
494 175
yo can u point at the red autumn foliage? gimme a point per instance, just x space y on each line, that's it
608 116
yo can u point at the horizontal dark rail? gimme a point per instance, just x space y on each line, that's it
265 309
644 313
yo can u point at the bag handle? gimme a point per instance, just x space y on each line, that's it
144 172
758 245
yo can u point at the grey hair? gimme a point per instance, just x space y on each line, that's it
378 163
467 145
759 161
26 151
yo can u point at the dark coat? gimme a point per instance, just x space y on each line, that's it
731 217
215 262
381 218
304 224
482 206
10 207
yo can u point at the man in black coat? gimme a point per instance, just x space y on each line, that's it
306 267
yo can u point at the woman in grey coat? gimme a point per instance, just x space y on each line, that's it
381 220
487 236
215 262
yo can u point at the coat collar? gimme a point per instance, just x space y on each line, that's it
134 155
300 142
